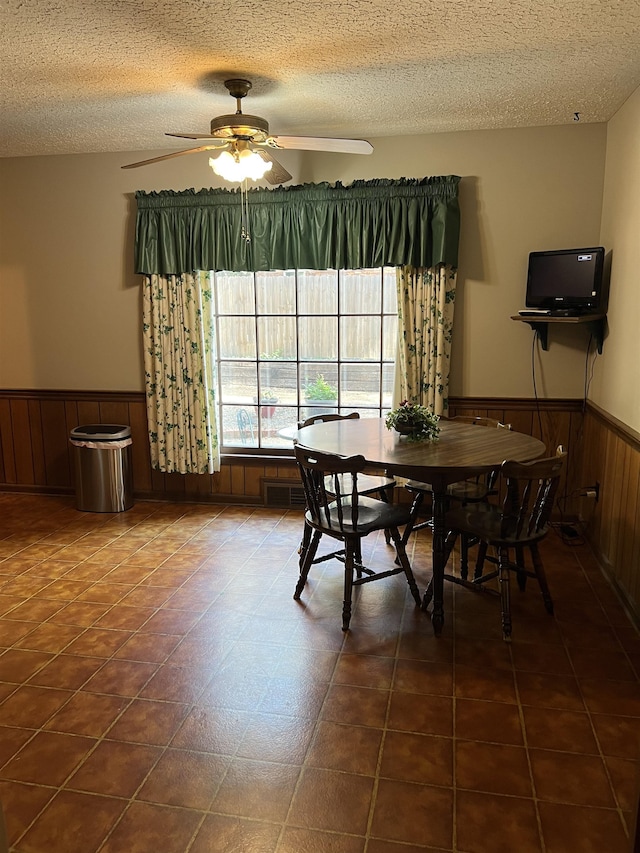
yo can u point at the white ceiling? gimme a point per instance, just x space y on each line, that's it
114 75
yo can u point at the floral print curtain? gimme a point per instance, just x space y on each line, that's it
426 300
178 337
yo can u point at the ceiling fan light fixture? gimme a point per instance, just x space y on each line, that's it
237 166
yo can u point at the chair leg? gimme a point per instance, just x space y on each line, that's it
415 506
482 554
349 564
304 543
406 565
384 495
306 560
521 572
505 596
464 556
542 577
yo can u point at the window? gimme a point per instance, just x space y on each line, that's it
297 342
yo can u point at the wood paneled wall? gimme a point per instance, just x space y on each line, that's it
35 454
611 458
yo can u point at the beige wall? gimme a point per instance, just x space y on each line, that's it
616 382
69 301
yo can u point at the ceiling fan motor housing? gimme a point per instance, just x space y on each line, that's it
240 125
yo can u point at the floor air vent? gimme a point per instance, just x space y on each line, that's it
279 493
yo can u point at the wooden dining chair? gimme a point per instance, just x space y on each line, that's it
471 490
518 525
369 484
347 518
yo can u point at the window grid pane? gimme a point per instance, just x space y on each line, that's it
294 343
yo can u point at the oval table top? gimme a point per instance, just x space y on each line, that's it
459 447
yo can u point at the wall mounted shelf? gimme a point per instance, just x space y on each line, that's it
540 325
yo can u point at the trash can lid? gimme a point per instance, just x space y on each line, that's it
101 432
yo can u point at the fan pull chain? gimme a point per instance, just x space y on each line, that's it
244 233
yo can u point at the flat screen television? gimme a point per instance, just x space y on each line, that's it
568 281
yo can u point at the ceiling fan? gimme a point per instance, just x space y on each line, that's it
246 144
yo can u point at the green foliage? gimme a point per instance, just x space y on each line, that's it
320 389
414 421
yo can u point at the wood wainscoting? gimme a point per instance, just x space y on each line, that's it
611 458
35 455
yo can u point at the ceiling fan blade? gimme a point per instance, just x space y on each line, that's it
169 156
320 143
277 174
199 136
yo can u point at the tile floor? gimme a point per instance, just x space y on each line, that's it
160 690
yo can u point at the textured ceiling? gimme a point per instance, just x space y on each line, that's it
114 75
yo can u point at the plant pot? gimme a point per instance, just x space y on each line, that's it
267 411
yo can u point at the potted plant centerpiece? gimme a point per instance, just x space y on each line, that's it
414 421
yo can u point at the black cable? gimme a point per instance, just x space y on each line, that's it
533 377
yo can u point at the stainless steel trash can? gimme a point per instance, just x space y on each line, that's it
102 457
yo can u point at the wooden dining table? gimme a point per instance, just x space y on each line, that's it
461 450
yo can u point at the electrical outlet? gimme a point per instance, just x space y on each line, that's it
592 492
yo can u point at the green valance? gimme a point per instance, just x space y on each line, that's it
310 226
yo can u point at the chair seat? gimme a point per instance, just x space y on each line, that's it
465 490
486 522
372 515
367 484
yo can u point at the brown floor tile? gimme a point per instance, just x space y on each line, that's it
582 829
364 671
73 822
98 643
429 715
68 672
87 714
121 678
474 682
490 822
413 814
568 731
145 828
424 677
47 759
212 730
11 740
356 705
274 737
79 613
498 722
611 697
152 648
178 684
147 721
564 777
128 765
549 691
21 803
182 778
493 768
49 637
221 834
352 749
258 789
417 758
124 618
31 707
618 736
331 801
17 665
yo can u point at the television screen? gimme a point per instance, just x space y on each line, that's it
566 279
